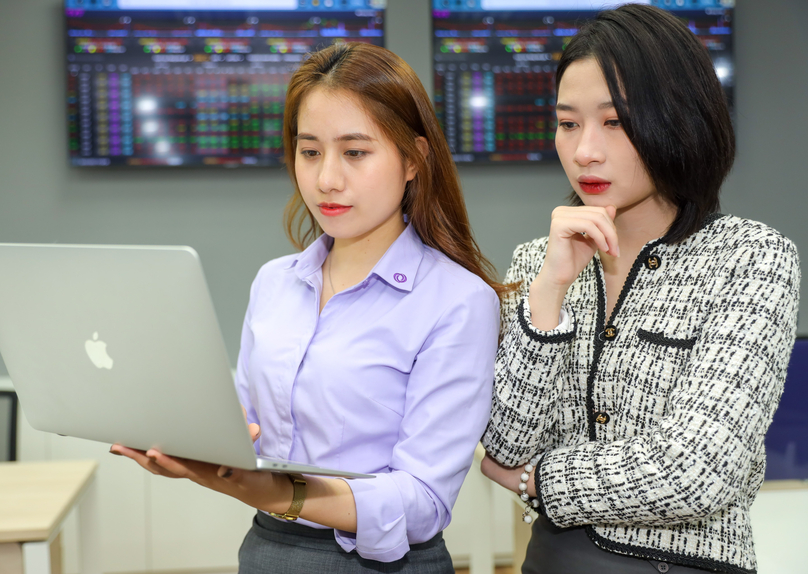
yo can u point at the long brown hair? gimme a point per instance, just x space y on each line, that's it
394 97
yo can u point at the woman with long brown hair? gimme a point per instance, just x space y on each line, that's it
373 349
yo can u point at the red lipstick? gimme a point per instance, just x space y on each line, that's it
593 185
333 209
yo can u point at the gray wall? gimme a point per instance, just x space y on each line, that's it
232 217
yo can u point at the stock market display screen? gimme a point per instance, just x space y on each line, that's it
194 82
494 64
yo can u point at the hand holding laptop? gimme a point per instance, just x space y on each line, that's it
265 490
268 491
255 430
150 459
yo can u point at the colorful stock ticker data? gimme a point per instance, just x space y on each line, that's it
494 64
152 82
149 83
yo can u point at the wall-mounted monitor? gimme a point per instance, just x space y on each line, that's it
494 65
787 438
194 82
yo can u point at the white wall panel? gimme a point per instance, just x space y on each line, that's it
193 527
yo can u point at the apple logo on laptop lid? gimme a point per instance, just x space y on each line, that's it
97 351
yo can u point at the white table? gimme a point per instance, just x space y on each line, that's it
35 499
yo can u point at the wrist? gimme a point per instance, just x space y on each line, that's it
527 490
291 494
525 482
546 299
547 287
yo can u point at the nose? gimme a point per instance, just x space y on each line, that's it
590 148
331 176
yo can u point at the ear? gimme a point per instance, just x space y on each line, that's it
423 148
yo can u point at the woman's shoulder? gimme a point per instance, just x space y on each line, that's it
527 260
534 249
439 271
273 270
743 249
277 265
730 233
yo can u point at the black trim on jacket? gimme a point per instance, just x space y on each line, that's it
556 338
663 556
660 339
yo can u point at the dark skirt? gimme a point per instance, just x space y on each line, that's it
272 546
554 550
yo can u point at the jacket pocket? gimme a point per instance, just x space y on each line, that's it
660 339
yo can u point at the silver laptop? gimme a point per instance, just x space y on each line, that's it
120 344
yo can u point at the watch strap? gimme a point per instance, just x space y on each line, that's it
298 498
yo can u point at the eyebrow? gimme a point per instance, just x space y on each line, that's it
344 138
569 108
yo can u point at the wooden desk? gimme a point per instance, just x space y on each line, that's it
35 499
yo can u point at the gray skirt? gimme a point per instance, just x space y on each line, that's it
272 546
553 550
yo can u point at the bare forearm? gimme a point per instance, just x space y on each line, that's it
329 501
545 300
507 477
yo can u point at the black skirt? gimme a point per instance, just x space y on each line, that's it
554 550
273 546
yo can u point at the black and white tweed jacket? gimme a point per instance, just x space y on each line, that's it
652 420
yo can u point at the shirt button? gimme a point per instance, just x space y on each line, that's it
653 262
602 418
663 567
609 332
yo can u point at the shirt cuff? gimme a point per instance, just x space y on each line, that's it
381 526
563 320
542 510
564 332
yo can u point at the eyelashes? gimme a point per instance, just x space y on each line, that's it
568 125
351 153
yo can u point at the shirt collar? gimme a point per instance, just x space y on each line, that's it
397 267
311 260
400 263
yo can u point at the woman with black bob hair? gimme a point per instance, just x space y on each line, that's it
645 347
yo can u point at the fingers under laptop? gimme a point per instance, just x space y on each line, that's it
225 472
170 466
143 459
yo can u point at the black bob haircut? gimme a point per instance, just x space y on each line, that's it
669 101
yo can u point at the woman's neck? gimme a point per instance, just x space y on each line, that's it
637 225
351 259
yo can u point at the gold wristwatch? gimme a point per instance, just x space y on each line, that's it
298 498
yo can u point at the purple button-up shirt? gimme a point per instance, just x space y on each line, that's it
393 378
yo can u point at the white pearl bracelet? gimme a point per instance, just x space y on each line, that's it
532 503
